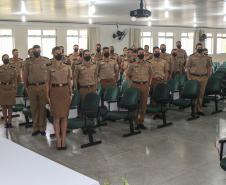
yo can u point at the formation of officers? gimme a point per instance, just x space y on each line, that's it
52 81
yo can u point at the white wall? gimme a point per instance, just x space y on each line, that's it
104 34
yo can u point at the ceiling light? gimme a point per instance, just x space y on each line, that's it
90 21
166 14
194 19
166 3
133 19
92 10
149 23
23 18
195 25
23 7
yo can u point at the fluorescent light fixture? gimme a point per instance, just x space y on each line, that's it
133 19
195 25
166 14
92 10
149 23
166 3
90 21
23 18
23 7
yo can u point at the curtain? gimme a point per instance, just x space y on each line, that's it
134 37
92 38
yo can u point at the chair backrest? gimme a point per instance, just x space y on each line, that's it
99 89
111 94
124 86
161 93
173 85
20 90
130 98
213 86
75 100
181 78
90 105
191 89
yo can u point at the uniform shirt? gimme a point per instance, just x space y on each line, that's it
86 74
181 57
8 75
59 72
36 69
176 66
73 57
147 56
159 68
198 64
140 71
167 58
107 69
115 57
97 57
17 63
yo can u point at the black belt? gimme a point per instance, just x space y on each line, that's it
140 82
59 85
36 84
6 83
86 86
199 74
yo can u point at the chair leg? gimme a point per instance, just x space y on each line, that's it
27 123
132 131
216 105
99 122
193 113
165 124
91 140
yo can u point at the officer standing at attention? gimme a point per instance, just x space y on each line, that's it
114 55
35 77
198 68
181 56
140 73
8 88
98 55
65 57
205 52
147 54
176 68
167 58
86 76
73 57
107 71
17 63
122 58
59 91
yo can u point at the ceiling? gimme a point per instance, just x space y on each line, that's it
188 13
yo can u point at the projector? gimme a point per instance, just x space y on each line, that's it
141 12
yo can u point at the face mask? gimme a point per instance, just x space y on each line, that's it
106 55
112 51
36 54
141 56
178 46
87 58
6 61
58 57
156 55
174 54
76 50
199 50
80 54
163 50
98 50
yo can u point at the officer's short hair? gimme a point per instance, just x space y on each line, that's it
125 48
130 49
139 49
4 55
205 49
198 44
56 48
105 48
61 46
83 53
146 46
98 44
156 47
135 51
14 50
36 46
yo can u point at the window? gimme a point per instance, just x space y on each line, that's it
76 37
45 38
209 43
221 43
167 39
146 39
187 42
6 42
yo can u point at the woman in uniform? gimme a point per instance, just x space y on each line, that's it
8 86
59 91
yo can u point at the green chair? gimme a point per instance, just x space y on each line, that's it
111 95
99 89
89 108
161 95
173 85
181 79
212 91
188 97
222 158
129 102
124 86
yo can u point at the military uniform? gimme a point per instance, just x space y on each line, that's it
167 58
35 72
177 67
8 84
17 63
73 58
140 73
97 56
59 75
147 56
181 59
197 68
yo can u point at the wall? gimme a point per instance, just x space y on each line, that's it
104 34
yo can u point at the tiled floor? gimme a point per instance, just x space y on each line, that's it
183 154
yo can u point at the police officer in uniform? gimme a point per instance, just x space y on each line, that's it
98 55
8 86
205 52
167 57
59 91
107 71
147 54
17 63
35 77
140 73
73 57
176 67
181 56
198 68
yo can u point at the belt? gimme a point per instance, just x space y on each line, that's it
59 85
157 78
86 86
140 82
198 74
36 84
6 83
